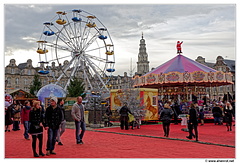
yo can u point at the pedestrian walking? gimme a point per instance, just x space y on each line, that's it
53 119
166 117
25 118
201 116
36 128
16 115
63 123
8 118
193 122
78 116
124 111
217 113
228 115
106 117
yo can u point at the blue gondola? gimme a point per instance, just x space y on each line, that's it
102 37
43 62
103 29
43 72
76 19
110 70
76 10
48 23
48 33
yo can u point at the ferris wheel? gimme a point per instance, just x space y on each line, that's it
77 44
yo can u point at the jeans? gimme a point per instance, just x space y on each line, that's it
61 130
217 120
79 125
52 134
26 129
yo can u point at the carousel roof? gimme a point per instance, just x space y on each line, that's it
181 71
181 64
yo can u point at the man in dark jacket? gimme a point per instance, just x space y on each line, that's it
217 114
53 118
193 122
124 116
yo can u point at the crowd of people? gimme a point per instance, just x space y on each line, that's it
35 119
222 112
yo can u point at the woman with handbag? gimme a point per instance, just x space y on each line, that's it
36 129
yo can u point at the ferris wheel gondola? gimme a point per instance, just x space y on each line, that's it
81 46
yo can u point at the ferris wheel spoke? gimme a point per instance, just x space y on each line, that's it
96 72
72 73
60 47
65 70
87 44
102 47
70 35
59 58
86 77
96 58
58 32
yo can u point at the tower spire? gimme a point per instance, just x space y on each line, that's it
143 63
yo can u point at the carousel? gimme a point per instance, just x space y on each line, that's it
183 79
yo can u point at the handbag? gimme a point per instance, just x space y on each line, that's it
35 129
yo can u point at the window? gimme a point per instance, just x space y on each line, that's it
29 72
9 80
17 81
12 70
25 81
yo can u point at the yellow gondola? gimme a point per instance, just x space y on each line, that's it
61 21
109 53
62 13
91 25
41 41
91 17
41 51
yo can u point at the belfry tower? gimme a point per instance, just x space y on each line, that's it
143 63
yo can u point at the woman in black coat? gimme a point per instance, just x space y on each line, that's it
36 129
193 122
228 115
8 118
166 117
124 111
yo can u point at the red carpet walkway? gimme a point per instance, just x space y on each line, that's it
147 142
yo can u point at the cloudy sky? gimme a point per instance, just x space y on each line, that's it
207 30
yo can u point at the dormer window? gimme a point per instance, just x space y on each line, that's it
29 72
12 71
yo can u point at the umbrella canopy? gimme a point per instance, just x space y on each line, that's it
182 71
50 90
181 64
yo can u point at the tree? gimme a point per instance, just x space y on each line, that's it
131 96
36 85
76 88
